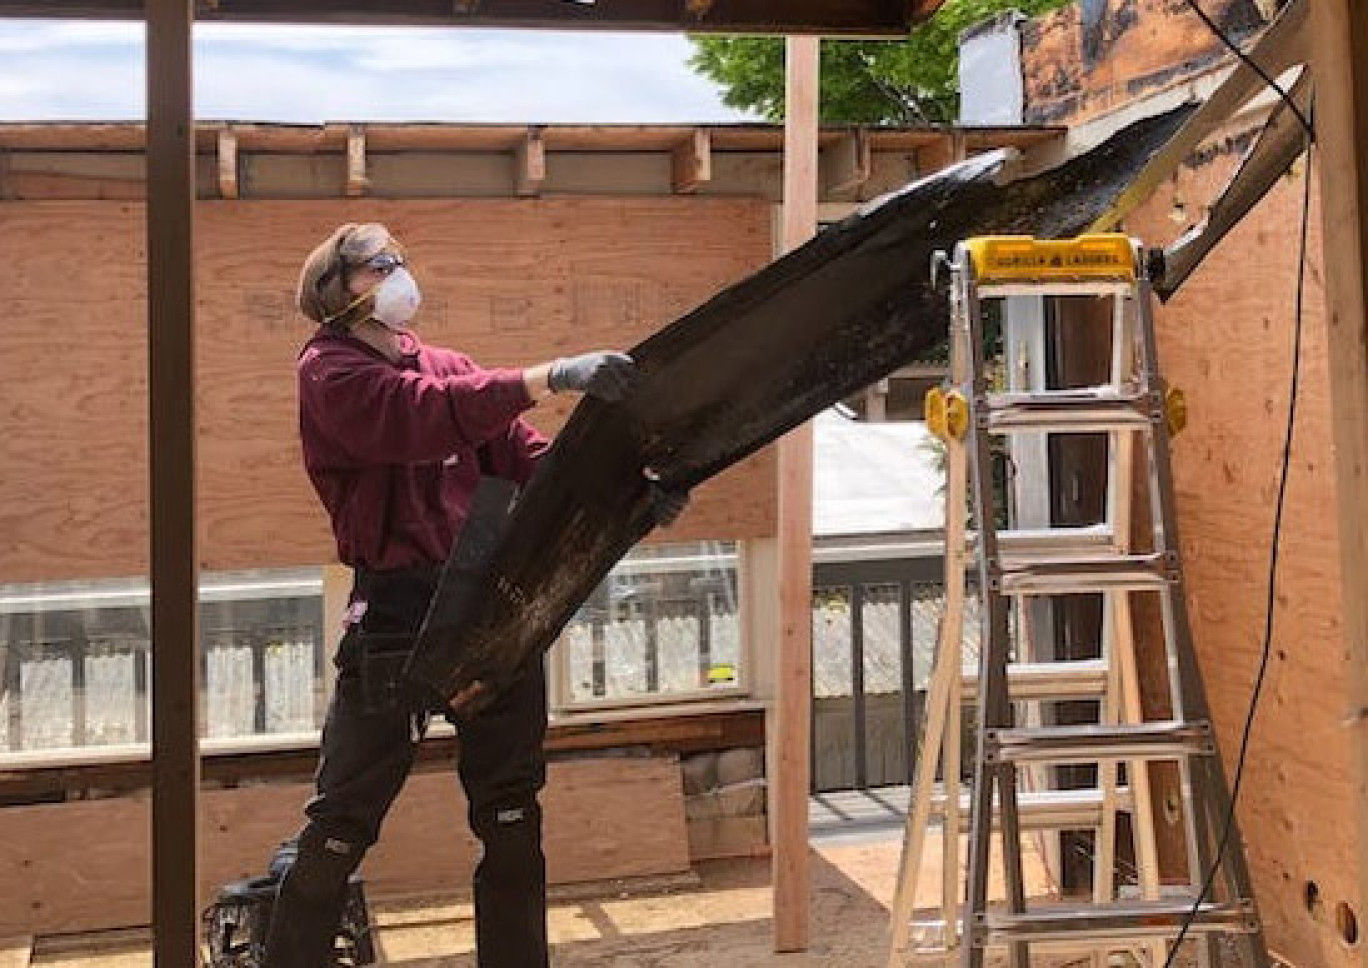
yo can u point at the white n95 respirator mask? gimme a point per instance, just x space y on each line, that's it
397 299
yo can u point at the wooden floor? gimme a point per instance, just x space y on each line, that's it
719 916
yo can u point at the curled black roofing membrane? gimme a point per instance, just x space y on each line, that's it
759 358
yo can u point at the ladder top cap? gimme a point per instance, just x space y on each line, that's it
1109 256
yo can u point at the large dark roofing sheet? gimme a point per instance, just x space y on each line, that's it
761 357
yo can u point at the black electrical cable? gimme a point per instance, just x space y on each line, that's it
1249 62
1274 551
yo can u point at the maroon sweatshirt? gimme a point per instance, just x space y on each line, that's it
395 450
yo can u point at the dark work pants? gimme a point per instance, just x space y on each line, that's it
367 752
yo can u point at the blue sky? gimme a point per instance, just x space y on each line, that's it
94 71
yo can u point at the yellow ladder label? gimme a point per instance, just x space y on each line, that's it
1023 258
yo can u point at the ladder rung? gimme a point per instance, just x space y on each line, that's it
1093 539
1081 574
1154 919
1047 809
1074 411
998 290
1046 681
928 946
1082 744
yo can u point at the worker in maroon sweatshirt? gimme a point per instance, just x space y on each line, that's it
396 435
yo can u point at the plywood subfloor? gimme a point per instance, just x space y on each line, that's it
723 919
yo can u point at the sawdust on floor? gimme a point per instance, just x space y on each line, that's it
721 922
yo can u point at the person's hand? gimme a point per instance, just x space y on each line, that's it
605 375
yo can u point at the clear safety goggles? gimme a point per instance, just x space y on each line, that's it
382 262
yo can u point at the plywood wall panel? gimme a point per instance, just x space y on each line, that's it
83 866
74 446
73 254
510 282
1226 340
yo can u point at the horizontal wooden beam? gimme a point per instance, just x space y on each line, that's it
828 17
662 734
125 136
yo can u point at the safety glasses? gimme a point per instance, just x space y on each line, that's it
384 262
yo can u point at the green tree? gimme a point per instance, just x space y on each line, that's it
908 81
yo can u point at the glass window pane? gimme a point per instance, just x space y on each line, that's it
664 624
74 663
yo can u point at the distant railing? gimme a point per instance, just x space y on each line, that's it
876 616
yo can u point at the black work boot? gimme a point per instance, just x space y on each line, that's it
308 908
510 888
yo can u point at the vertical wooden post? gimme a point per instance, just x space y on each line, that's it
171 422
791 765
1340 37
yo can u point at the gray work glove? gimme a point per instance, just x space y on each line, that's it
607 376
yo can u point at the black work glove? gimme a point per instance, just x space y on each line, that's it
666 504
607 376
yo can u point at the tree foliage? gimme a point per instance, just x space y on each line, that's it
908 81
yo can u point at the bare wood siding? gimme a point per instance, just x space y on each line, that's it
83 866
511 282
1226 340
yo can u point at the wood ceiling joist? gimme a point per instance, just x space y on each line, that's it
228 163
356 161
691 162
827 17
529 158
848 162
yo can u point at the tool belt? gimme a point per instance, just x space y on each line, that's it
373 654
373 674
377 669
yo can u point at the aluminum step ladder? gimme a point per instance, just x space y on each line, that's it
1010 690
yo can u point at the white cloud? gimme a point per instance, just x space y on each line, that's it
41 36
90 71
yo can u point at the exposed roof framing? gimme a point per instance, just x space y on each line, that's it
828 17
243 160
382 138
